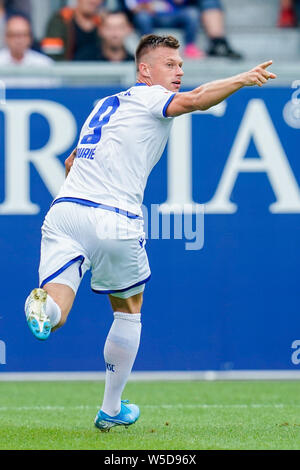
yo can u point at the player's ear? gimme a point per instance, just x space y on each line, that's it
144 69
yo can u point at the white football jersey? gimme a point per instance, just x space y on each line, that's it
120 142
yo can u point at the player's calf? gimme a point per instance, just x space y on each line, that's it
59 304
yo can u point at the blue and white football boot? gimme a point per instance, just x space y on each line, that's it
35 311
128 415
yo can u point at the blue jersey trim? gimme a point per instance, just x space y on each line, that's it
63 268
86 202
167 104
140 84
121 290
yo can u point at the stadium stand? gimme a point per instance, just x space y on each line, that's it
253 30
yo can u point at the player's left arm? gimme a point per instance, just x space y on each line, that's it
69 161
212 93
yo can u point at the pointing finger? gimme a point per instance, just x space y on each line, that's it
264 65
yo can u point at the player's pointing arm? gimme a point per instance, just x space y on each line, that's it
212 93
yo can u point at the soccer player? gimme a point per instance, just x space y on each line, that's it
95 222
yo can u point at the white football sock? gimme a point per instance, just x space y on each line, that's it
120 351
53 311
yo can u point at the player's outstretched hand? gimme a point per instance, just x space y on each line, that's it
69 161
259 75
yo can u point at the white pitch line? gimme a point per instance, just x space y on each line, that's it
155 375
178 405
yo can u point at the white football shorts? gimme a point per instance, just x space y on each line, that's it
76 238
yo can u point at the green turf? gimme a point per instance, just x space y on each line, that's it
174 415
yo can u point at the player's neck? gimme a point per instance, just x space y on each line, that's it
145 80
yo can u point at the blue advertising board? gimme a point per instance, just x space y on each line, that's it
232 303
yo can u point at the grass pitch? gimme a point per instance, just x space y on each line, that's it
174 415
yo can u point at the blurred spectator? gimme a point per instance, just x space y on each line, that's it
150 14
18 38
212 16
114 30
71 31
287 13
20 7
6 11
10 8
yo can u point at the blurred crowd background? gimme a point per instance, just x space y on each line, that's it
41 32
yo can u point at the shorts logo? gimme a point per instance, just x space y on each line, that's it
142 242
110 367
